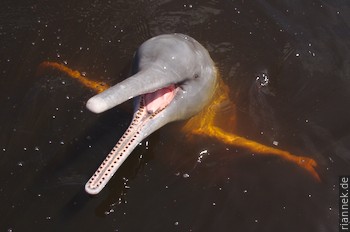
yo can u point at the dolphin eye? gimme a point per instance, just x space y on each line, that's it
195 76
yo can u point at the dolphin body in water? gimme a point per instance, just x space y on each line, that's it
174 79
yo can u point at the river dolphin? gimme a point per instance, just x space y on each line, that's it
174 79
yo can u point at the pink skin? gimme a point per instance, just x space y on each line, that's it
159 99
149 106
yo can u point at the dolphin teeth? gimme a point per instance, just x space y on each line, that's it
119 153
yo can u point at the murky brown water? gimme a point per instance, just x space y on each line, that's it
50 144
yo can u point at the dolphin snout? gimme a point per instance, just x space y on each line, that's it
96 105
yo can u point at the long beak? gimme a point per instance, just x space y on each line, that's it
143 123
145 81
140 127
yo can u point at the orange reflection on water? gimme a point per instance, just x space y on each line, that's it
97 86
206 124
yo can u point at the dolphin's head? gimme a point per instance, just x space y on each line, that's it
174 79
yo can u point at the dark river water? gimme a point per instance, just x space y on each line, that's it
50 144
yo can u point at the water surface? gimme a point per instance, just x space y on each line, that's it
50 144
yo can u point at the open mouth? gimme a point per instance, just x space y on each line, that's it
159 99
149 106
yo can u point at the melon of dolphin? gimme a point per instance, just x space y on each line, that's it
174 79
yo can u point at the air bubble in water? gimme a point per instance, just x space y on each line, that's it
185 175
